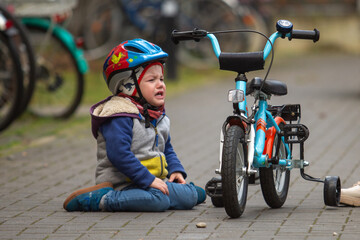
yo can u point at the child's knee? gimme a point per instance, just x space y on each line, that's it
182 196
190 199
159 203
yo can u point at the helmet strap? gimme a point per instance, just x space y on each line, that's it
137 86
142 100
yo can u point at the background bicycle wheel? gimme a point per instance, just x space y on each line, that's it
59 86
99 23
11 81
19 38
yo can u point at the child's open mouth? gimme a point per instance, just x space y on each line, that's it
159 94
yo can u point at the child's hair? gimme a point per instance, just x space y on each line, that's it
125 63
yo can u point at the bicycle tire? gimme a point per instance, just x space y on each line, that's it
332 191
11 82
26 56
274 180
233 172
59 82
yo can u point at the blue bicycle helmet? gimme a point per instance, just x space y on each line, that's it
126 61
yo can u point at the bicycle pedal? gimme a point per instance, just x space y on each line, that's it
213 187
295 133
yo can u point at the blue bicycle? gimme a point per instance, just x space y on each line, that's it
260 142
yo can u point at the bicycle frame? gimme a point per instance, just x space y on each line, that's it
264 121
262 132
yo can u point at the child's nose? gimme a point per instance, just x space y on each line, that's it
160 83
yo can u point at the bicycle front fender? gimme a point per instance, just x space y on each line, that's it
235 120
64 36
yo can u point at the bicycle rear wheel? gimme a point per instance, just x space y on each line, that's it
11 82
233 172
59 83
275 180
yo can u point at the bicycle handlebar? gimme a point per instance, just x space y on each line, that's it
304 34
195 35
284 29
198 34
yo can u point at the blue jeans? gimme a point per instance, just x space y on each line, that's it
181 197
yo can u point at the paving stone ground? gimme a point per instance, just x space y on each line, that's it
35 182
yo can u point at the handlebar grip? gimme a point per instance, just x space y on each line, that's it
305 34
196 35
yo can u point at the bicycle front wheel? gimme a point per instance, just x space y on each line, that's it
275 180
59 83
233 172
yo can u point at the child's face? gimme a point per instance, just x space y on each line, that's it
152 86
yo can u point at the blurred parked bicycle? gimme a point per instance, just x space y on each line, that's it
103 24
60 65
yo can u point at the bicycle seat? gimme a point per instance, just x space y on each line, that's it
270 87
241 62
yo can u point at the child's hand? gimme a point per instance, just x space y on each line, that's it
161 185
177 177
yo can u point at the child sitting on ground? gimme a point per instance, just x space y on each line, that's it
135 154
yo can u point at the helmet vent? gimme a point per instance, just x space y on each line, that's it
133 49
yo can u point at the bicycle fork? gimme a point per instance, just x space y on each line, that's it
250 157
250 140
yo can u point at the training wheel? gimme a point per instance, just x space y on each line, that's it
332 191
